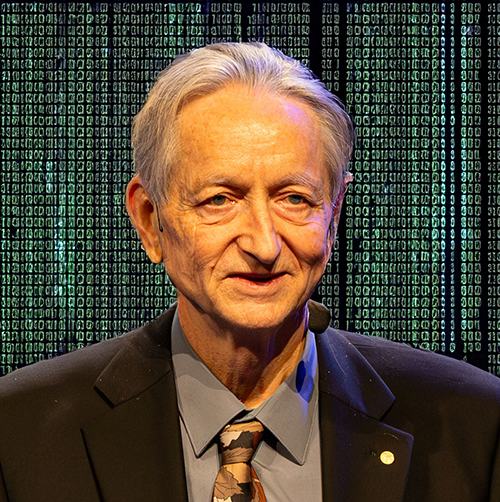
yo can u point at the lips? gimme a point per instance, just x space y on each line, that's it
257 278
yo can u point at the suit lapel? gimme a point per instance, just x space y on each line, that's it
353 399
135 448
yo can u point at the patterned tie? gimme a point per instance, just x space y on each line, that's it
236 480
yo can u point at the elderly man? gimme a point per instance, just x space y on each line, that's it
241 392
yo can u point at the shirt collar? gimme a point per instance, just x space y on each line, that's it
206 405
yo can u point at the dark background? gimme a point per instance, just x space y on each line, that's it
417 258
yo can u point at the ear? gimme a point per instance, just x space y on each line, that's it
337 207
142 214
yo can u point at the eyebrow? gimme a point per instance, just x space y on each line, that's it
301 179
210 180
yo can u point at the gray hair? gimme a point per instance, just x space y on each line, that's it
206 70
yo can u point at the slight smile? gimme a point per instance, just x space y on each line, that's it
258 280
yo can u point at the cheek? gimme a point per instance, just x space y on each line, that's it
312 245
179 246
319 254
194 247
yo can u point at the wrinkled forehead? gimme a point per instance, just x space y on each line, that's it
239 116
235 101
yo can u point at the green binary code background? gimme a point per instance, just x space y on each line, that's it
418 257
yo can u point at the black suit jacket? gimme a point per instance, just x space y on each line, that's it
101 424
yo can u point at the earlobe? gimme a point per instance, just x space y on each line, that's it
141 211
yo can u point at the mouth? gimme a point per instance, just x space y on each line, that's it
258 279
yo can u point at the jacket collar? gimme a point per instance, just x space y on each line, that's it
347 376
143 361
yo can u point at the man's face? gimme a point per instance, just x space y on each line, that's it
246 228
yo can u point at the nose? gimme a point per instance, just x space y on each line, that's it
258 236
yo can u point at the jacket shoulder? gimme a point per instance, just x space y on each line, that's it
74 368
398 363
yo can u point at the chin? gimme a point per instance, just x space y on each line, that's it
251 316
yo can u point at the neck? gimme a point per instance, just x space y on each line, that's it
251 363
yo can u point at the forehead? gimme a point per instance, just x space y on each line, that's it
237 126
237 99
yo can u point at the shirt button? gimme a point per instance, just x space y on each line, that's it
387 457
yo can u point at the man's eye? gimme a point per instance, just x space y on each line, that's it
218 200
295 199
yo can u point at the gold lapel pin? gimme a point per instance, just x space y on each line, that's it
387 457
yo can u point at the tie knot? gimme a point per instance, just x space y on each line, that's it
238 441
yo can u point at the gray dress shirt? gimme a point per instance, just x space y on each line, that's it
288 459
